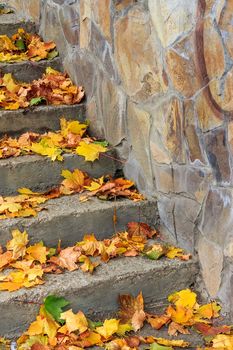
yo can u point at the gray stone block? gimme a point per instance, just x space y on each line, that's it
38 119
40 173
9 25
97 294
68 219
27 71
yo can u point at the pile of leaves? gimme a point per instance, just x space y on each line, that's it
58 327
71 138
23 46
28 203
28 263
54 88
4 10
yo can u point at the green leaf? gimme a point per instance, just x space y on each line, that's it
52 54
155 346
101 143
36 101
52 252
54 306
20 44
92 325
154 254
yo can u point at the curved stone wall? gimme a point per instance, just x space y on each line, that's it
159 81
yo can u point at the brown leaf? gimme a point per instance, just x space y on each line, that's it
132 310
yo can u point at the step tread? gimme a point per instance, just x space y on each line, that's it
68 219
38 119
40 173
97 294
114 270
27 71
9 24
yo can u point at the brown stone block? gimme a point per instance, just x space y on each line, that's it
218 155
138 55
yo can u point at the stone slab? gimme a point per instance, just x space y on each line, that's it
97 294
9 25
68 219
27 71
38 119
40 173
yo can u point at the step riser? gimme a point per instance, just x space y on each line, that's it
10 28
38 119
40 173
71 221
99 299
28 70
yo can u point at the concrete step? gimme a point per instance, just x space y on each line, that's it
27 71
68 219
38 119
40 173
9 24
97 294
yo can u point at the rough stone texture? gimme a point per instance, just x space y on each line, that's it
26 9
137 56
127 275
68 219
158 76
38 119
28 71
40 173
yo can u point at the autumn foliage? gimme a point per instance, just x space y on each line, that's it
23 46
58 327
54 88
28 203
71 138
29 263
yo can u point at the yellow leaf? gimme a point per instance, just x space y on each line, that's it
74 127
170 342
18 243
9 83
37 252
95 185
123 328
36 327
90 151
50 70
209 310
109 328
185 298
75 322
27 191
223 342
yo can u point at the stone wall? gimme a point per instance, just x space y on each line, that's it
158 76
26 9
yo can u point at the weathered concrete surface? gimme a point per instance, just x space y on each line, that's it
91 293
40 173
38 119
9 25
27 71
68 219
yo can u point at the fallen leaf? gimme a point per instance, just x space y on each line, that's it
132 310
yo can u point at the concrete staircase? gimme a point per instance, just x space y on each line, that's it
68 219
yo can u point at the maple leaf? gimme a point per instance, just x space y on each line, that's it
53 305
223 342
90 151
208 311
132 310
37 252
88 265
157 322
74 127
74 182
140 228
209 330
109 328
175 328
184 298
166 342
67 258
18 244
5 259
75 322
156 346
